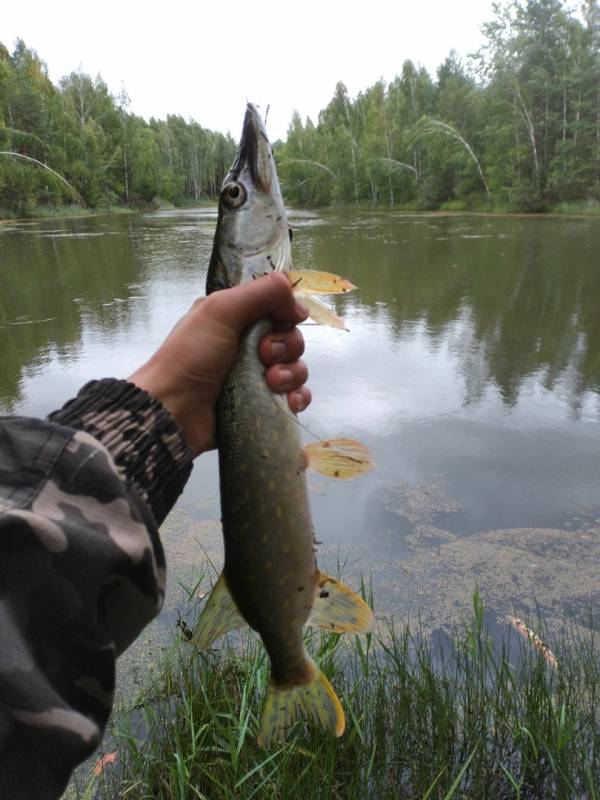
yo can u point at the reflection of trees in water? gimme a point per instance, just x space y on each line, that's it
540 317
521 301
46 282
515 297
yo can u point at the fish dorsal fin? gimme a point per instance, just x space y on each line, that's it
219 616
339 458
338 609
313 699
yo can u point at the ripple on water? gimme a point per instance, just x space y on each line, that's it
74 234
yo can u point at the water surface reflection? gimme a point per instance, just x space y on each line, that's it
472 369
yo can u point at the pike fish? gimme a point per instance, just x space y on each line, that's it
270 580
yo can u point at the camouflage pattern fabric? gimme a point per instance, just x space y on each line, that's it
82 570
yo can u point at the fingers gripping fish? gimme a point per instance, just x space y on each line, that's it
270 580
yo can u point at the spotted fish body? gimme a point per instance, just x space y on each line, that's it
270 579
269 560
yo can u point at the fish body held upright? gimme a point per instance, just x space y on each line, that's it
270 580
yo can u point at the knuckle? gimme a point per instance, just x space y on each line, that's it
299 341
302 371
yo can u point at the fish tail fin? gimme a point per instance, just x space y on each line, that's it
314 700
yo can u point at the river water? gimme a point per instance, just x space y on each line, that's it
471 369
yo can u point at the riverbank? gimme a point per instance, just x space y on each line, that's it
578 208
583 208
458 208
68 212
458 718
64 212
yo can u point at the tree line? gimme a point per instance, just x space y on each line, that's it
517 127
104 154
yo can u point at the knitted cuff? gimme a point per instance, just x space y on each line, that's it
145 442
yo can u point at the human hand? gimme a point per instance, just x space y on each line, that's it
187 372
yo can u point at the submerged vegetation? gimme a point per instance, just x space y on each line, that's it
462 720
518 128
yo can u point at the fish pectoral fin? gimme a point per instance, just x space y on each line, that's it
321 313
339 458
219 615
314 700
338 609
312 281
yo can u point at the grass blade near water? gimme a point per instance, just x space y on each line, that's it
471 721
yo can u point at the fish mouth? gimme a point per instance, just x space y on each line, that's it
254 151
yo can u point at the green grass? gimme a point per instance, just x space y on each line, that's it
466 722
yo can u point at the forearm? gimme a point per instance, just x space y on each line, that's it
81 570
81 498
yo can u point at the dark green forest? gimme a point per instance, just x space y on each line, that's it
86 134
514 127
518 128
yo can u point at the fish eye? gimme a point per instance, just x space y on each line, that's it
233 194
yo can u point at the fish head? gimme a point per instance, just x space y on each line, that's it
252 236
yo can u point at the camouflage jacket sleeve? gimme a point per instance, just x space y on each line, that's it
81 570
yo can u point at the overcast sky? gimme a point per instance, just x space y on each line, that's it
205 59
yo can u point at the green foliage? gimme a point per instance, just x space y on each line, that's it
87 135
519 128
525 122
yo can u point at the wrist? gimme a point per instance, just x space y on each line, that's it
194 418
145 442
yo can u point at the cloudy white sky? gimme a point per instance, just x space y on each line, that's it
205 58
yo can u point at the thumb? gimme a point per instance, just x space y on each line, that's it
268 296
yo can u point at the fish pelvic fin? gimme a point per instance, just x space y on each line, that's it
219 615
338 609
321 313
315 700
339 458
314 282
